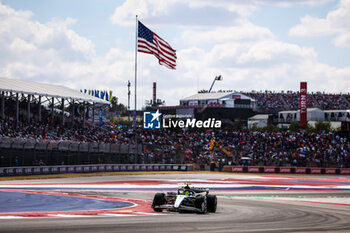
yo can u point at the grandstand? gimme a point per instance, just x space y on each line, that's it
34 132
273 102
26 100
275 107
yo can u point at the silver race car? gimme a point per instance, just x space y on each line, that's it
186 199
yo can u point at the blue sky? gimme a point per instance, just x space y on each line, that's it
255 45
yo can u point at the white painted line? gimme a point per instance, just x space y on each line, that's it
70 215
10 217
144 213
117 215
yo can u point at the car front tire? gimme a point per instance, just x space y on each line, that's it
159 199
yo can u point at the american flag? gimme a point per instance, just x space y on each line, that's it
149 42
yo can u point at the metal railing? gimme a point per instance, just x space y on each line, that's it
42 170
68 146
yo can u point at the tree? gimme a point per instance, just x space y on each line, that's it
117 107
237 125
322 126
294 126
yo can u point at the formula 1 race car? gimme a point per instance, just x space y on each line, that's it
186 199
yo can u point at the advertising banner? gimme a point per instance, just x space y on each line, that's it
345 171
269 169
10 171
303 104
193 102
101 168
19 171
71 169
54 170
315 170
116 168
37 170
46 170
237 169
236 97
300 170
28 171
63 170
253 169
285 169
78 169
331 171
109 168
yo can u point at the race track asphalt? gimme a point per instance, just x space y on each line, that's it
238 211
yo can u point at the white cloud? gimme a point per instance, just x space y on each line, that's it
195 12
54 53
181 12
336 23
243 32
266 65
286 3
248 56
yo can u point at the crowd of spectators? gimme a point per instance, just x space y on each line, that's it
194 146
269 101
331 101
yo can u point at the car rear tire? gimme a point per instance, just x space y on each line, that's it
201 203
159 199
211 203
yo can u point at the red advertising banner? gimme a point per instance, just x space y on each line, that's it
345 171
269 169
303 104
330 170
285 169
300 170
253 169
235 97
237 169
314 170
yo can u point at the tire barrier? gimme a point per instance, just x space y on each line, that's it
288 170
45 170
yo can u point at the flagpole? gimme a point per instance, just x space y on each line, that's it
136 34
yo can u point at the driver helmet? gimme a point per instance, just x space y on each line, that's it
187 186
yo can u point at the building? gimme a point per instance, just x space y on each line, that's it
227 106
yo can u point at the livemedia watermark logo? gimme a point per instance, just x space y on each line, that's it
154 120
